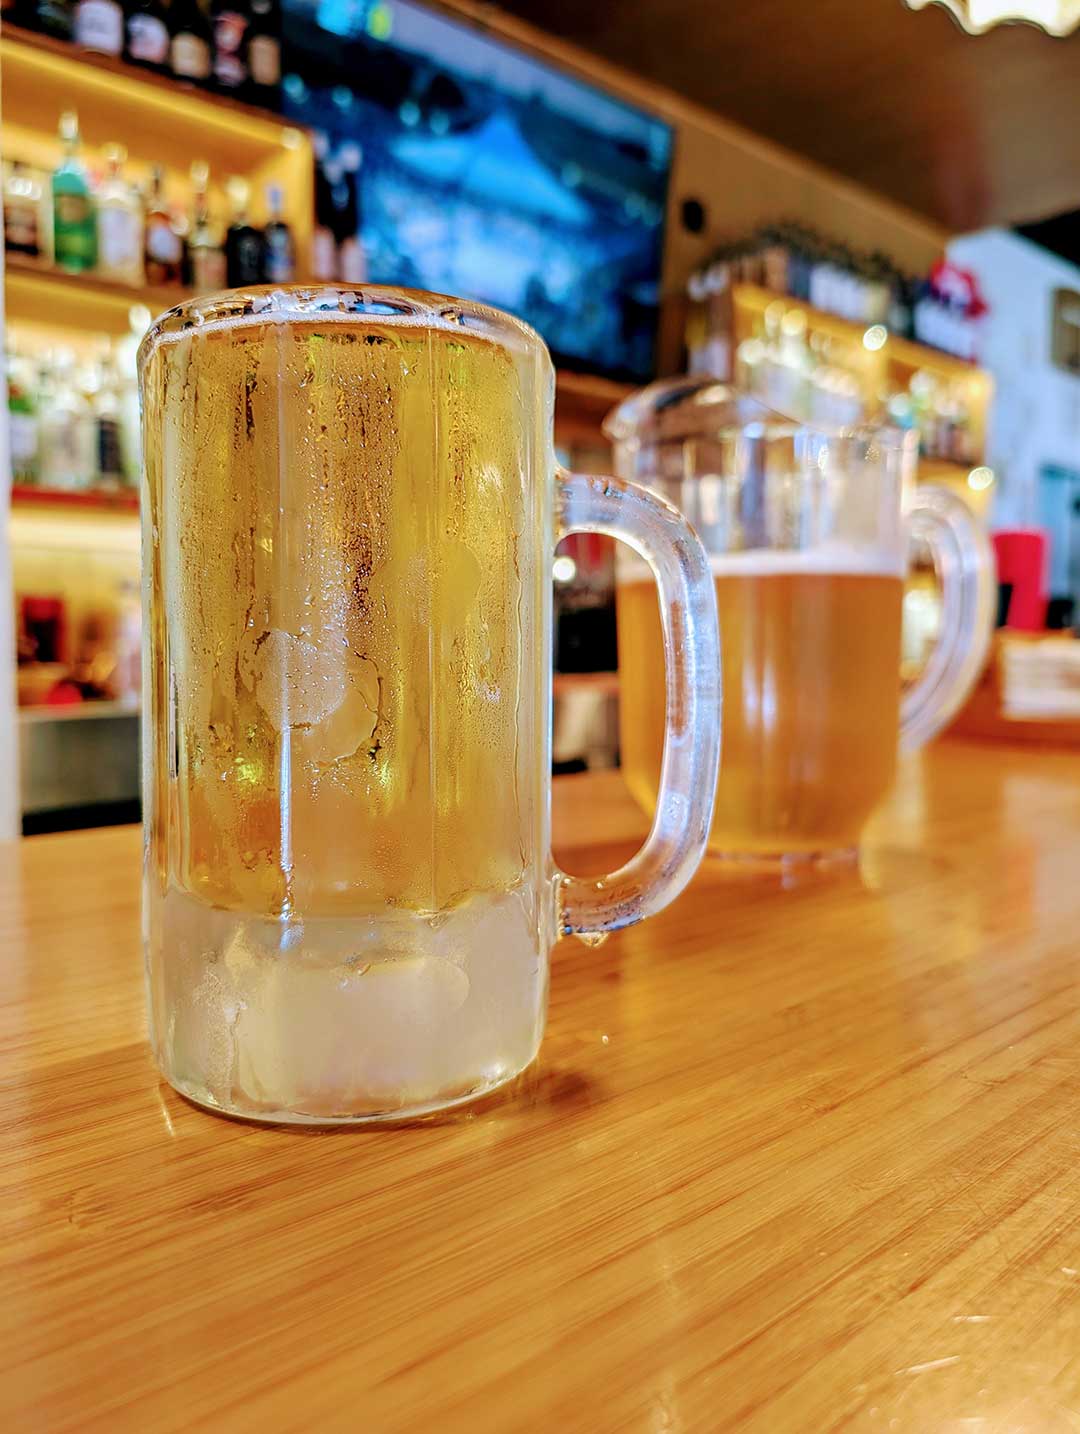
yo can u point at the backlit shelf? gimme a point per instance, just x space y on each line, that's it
77 711
102 500
901 352
50 298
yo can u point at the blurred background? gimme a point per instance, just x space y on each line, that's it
855 209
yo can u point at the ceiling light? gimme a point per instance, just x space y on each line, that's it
1056 17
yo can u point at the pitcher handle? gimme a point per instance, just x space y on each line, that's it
966 569
657 873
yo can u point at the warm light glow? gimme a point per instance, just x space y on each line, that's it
981 478
875 337
1056 17
564 569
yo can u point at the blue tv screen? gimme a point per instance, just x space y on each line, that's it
468 167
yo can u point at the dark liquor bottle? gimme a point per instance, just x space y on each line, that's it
351 256
190 47
244 247
279 262
264 54
164 248
230 25
148 34
99 26
51 17
324 251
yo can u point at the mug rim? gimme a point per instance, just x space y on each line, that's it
334 303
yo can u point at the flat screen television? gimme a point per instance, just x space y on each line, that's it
479 171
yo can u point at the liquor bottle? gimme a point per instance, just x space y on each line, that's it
164 251
230 23
24 218
99 26
351 256
125 361
148 34
66 432
244 247
324 251
264 54
74 229
279 263
190 46
106 411
119 223
22 421
54 17
205 258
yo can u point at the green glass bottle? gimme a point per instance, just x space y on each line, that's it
74 225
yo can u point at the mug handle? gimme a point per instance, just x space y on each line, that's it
966 569
657 873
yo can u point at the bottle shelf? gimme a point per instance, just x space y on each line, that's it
158 121
117 68
154 115
581 403
903 353
101 500
880 363
77 711
40 294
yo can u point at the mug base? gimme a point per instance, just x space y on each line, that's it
783 863
200 1096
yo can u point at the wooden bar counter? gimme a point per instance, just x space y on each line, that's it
799 1159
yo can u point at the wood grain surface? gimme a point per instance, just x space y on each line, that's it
798 1159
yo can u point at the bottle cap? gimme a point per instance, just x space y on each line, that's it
238 191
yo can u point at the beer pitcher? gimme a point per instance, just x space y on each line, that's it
808 536
349 514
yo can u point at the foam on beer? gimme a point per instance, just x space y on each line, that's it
825 560
835 559
275 314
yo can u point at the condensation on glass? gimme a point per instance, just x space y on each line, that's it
350 508
808 536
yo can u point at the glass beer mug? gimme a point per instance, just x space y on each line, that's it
808 537
350 507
